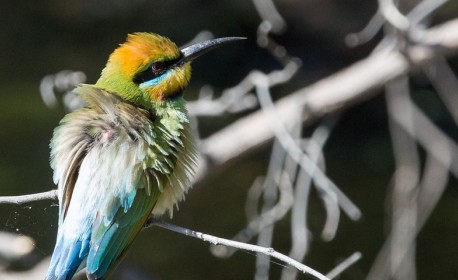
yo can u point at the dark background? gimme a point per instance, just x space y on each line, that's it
44 37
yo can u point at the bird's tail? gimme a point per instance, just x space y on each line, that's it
68 257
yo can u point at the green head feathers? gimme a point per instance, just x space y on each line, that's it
142 70
149 68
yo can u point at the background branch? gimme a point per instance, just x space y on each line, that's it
349 87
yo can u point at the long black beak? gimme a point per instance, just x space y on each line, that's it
194 51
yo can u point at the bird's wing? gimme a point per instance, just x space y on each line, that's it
120 212
106 191
111 239
69 146
111 200
113 163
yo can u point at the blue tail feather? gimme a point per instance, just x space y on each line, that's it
67 258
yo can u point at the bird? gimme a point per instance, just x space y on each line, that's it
128 153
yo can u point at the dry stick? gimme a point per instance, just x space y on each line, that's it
270 14
442 158
299 235
262 221
277 180
391 13
406 178
368 32
353 85
423 10
240 245
22 199
302 159
265 236
336 271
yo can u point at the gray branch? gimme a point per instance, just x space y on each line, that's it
353 85
22 199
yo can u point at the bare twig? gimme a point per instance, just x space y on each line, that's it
368 32
391 13
441 159
266 219
407 176
265 236
322 181
299 230
21 199
435 142
431 188
269 13
336 271
423 10
240 245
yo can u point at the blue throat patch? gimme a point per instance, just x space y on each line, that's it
155 81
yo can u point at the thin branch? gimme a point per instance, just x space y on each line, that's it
336 271
368 32
252 198
391 13
299 231
240 245
266 219
407 176
22 199
433 140
423 10
441 158
279 179
269 13
265 235
302 159
414 18
432 186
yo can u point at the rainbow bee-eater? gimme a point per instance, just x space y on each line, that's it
127 154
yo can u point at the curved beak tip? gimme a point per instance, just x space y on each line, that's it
194 51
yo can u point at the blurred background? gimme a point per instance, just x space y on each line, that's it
41 38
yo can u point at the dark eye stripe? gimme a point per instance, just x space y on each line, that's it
155 70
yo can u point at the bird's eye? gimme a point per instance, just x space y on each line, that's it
158 66
156 69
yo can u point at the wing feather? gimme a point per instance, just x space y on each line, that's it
112 172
